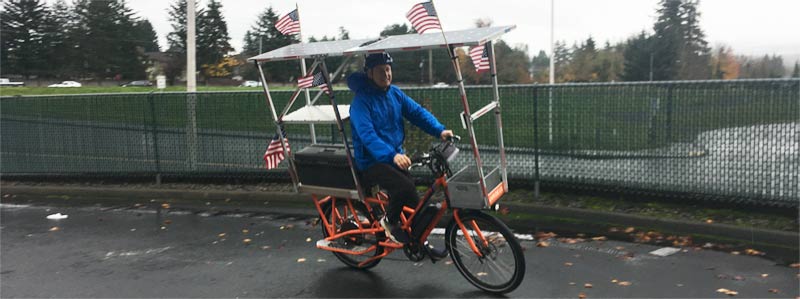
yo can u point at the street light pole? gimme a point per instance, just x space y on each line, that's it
191 86
552 72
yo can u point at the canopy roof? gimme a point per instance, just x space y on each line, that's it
406 42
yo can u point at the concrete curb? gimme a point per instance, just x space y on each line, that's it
536 216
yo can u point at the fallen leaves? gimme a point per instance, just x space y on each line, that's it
301 260
542 244
165 206
244 231
795 265
624 283
247 241
568 264
588 285
581 296
600 238
544 236
753 252
308 240
167 222
765 275
222 235
54 229
629 230
482 274
288 226
774 291
727 292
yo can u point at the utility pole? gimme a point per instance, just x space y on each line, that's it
191 86
430 66
552 72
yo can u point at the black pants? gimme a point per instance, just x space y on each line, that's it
398 183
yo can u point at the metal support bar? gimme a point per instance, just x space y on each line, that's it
340 125
292 169
498 118
472 138
335 75
297 94
483 110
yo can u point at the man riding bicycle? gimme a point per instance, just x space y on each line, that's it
376 120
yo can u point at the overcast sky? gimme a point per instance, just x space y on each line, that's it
750 27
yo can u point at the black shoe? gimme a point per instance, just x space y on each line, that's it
394 232
437 253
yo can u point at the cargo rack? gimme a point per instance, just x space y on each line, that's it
476 186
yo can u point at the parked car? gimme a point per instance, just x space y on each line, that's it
7 82
138 83
250 83
440 85
66 84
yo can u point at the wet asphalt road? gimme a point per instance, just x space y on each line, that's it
142 252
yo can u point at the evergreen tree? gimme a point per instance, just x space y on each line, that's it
637 55
213 42
667 42
24 28
60 41
563 57
695 56
106 44
145 36
796 72
583 63
541 67
177 15
679 47
264 37
611 62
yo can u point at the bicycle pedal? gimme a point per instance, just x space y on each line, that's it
326 244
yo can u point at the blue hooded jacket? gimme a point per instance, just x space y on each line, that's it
376 120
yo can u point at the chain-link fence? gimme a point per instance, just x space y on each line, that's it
730 140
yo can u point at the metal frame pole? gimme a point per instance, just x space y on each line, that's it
286 153
303 69
340 125
466 115
498 118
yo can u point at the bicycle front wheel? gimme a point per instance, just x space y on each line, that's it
499 264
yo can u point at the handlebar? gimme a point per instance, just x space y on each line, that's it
437 157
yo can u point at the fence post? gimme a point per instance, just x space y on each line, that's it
535 143
154 132
668 133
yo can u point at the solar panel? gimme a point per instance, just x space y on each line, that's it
309 50
406 42
414 42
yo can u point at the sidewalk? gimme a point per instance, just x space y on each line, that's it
781 246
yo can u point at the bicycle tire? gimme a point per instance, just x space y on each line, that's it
348 259
460 252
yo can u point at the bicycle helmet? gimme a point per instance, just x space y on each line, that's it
376 59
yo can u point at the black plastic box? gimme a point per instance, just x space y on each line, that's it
324 165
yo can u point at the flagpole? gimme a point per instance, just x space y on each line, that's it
303 69
466 116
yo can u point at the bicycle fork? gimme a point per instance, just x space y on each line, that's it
468 236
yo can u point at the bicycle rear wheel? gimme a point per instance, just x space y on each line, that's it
343 219
500 267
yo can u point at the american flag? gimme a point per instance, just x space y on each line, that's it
423 17
480 58
314 80
289 24
274 154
